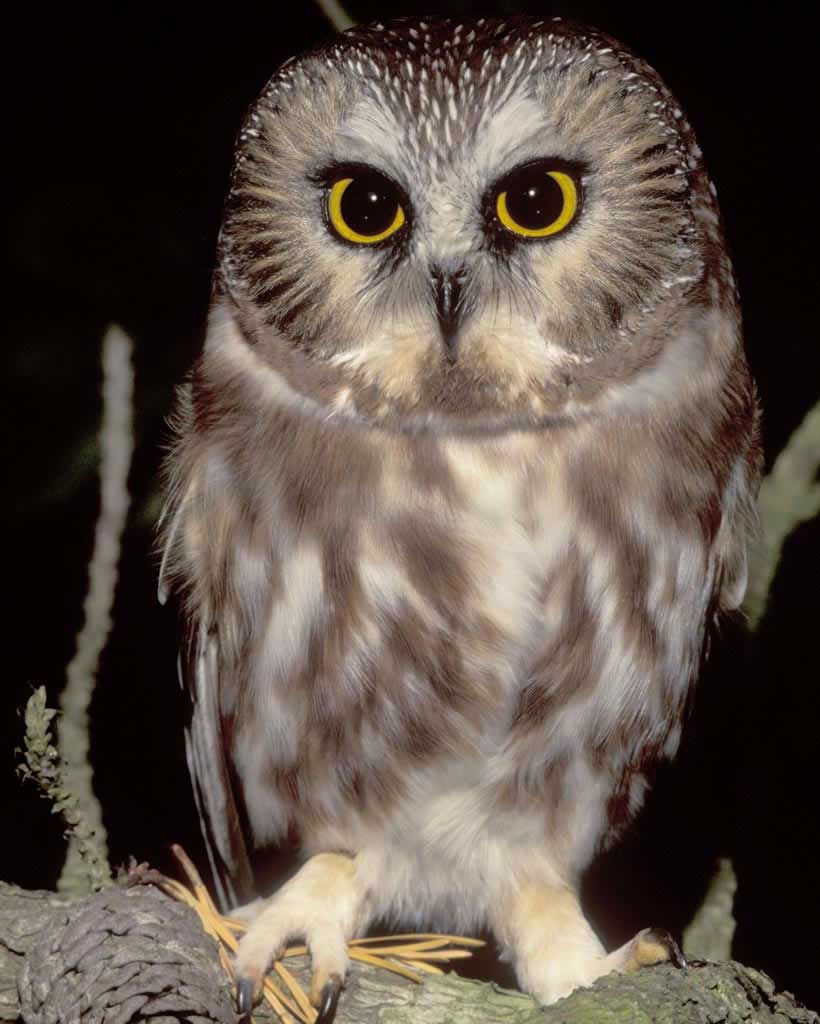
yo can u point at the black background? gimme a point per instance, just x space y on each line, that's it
119 125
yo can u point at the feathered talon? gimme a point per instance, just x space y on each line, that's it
324 905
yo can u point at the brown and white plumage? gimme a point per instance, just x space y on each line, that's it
447 558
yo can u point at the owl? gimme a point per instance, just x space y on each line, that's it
462 478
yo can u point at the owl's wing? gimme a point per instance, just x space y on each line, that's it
211 775
205 742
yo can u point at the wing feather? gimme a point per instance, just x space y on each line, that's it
211 775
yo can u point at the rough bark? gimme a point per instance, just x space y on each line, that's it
121 955
23 916
127 955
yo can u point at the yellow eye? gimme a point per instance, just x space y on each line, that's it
365 209
536 202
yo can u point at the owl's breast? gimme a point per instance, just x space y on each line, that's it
391 627
453 607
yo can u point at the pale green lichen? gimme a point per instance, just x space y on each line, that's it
41 763
727 993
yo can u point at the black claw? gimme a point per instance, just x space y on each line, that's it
676 954
329 1000
244 999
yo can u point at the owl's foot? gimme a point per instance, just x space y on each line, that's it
555 950
649 947
323 904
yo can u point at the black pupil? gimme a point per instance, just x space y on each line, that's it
369 204
534 199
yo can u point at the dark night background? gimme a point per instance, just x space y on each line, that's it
119 122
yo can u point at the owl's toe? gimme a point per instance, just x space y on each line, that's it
654 946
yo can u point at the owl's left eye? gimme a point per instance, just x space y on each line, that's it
536 200
365 207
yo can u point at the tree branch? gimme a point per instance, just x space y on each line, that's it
134 954
336 14
789 495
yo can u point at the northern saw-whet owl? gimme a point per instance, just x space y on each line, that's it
463 476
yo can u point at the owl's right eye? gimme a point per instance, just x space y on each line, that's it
365 207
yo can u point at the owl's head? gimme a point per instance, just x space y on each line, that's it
436 223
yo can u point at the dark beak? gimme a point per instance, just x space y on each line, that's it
448 287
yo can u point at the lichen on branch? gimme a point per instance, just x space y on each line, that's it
41 763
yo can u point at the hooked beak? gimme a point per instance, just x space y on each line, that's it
448 285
